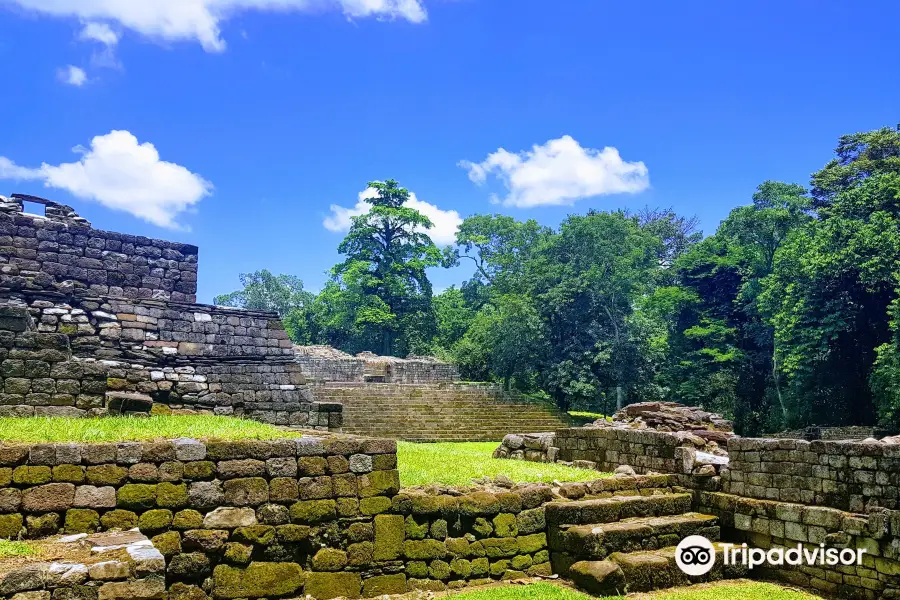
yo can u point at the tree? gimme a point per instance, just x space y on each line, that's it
832 294
381 294
283 294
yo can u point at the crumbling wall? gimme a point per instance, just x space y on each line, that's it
61 251
155 344
327 364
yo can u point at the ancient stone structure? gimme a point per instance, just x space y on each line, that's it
96 321
437 411
670 416
324 363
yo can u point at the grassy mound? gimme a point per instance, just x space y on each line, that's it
457 463
117 429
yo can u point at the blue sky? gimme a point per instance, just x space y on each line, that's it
266 118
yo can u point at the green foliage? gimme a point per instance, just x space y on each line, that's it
379 297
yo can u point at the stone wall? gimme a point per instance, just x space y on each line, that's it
48 369
642 450
62 251
324 363
844 475
437 412
775 524
306 516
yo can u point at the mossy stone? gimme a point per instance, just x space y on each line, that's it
360 554
479 504
531 521
360 532
155 520
68 473
500 547
541 557
42 525
313 511
499 567
5 476
426 585
439 569
323 586
10 525
382 585
417 568
168 543
379 483
311 466
344 485
458 546
137 496
415 531
190 566
171 495
482 527
258 580
512 575
505 525
82 520
119 519
263 535
424 549
389 536
199 470
67 328
31 475
187 519
106 475
461 567
375 505
480 567
347 507
543 569
183 591
438 529
521 562
238 553
529 544
293 533
329 559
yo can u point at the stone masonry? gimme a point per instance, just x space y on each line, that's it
125 304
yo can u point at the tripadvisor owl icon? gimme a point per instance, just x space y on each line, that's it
695 555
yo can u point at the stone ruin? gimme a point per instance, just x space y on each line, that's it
327 364
93 322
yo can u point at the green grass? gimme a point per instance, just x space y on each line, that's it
457 463
115 429
732 590
588 415
9 549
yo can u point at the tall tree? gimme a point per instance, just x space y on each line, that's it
387 253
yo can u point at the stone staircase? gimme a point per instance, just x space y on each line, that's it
626 543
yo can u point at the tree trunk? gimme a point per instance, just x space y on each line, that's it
386 343
620 397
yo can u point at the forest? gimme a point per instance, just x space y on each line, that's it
788 315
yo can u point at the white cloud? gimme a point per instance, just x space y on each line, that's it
99 32
200 20
72 75
122 174
444 222
559 172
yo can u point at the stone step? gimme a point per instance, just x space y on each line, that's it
630 572
595 542
615 508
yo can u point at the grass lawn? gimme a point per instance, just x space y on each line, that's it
9 549
457 463
116 429
730 590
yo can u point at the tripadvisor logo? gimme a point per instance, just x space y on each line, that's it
695 555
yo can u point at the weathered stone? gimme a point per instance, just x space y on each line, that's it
89 496
149 588
259 579
227 517
324 586
49 497
250 491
